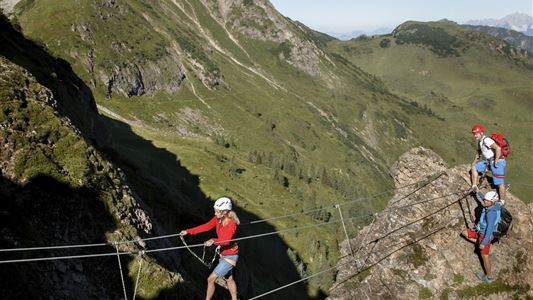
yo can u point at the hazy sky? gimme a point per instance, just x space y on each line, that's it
344 15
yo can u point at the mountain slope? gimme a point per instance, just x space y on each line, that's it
229 98
461 75
251 105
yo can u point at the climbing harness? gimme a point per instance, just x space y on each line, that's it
209 265
229 261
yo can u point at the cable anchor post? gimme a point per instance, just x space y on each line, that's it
338 207
141 253
115 243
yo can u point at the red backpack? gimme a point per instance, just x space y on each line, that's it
502 142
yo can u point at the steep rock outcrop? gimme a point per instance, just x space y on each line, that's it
56 189
259 20
413 248
160 69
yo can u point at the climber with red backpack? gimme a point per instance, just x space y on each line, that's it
491 153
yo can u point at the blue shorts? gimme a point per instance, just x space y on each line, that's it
498 171
224 267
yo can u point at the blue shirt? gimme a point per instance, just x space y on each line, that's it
487 222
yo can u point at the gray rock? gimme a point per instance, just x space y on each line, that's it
413 249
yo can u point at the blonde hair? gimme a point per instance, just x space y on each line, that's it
232 215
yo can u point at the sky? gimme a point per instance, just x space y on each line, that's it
342 16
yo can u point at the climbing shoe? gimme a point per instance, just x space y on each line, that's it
488 279
484 278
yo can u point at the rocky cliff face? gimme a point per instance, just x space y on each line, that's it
109 61
259 20
56 190
413 248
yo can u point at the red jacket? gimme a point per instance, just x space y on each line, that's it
224 234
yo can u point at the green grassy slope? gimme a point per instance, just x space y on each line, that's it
481 80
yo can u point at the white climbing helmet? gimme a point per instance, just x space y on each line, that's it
223 203
491 196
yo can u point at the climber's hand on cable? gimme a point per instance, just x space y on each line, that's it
183 232
209 243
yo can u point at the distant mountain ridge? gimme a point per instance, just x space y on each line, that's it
515 38
518 21
356 33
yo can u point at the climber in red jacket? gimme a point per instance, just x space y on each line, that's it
225 221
